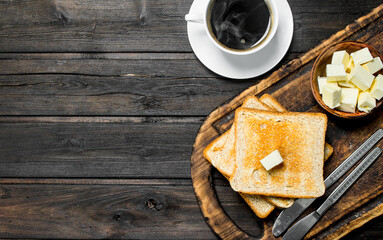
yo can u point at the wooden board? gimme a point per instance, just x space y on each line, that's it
290 85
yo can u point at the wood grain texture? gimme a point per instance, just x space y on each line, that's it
296 94
106 147
112 84
92 95
148 210
141 25
112 209
93 26
145 65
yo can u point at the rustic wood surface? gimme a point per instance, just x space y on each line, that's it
100 104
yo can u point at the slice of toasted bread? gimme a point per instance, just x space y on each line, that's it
220 153
299 137
274 104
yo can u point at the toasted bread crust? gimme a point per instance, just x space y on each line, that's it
254 102
214 142
328 150
258 204
272 102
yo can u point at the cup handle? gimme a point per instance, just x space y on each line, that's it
194 18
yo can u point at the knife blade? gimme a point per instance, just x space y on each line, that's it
289 215
301 228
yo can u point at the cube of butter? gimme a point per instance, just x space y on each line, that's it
340 57
331 96
322 81
366 102
361 78
346 84
377 87
373 66
348 100
272 160
361 56
350 65
335 72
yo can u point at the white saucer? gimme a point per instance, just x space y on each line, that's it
242 67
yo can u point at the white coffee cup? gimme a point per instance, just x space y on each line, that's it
202 18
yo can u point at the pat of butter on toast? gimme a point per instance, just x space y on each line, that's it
272 160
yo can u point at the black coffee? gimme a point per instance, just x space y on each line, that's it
239 24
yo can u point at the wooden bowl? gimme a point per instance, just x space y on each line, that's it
319 69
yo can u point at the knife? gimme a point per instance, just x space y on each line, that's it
301 228
289 215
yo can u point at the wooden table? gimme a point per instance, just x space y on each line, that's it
100 102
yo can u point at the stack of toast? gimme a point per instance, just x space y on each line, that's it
260 127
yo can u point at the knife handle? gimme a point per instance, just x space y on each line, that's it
349 180
353 158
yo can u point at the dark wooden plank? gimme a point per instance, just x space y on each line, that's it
150 209
161 84
141 25
93 26
112 84
171 65
93 95
97 147
145 65
149 65
119 209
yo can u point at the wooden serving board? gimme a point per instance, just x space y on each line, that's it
290 85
